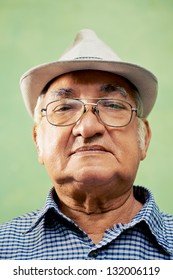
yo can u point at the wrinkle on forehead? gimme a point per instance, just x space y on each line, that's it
108 83
84 76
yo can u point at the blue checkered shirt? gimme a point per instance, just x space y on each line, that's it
47 234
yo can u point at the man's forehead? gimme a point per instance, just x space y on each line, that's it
84 77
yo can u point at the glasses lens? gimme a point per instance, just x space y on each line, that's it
115 112
64 111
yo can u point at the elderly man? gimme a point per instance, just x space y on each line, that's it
91 133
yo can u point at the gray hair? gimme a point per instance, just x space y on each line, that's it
37 110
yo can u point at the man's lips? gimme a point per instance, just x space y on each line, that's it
91 148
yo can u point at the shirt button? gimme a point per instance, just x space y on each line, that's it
93 254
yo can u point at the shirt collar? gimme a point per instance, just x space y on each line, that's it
50 204
150 214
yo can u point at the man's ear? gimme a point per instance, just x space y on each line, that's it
147 138
37 143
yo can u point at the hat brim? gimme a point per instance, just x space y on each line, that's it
33 82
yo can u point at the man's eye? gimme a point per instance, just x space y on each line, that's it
62 108
114 106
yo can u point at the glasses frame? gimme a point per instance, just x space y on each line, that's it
94 109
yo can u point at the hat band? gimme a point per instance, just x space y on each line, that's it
88 57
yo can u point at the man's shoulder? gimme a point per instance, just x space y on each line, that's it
168 220
14 234
19 224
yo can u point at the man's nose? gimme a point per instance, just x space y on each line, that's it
89 125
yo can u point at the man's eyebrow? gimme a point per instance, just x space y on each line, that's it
62 92
110 88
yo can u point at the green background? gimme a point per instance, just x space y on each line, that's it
38 31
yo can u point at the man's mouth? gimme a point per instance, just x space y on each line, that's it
89 148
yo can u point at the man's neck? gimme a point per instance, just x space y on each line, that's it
94 217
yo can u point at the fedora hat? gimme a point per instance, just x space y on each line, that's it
88 52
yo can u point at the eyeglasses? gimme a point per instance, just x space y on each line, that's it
68 111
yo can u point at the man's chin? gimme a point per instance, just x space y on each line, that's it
93 175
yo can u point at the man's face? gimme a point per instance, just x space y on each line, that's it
89 153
